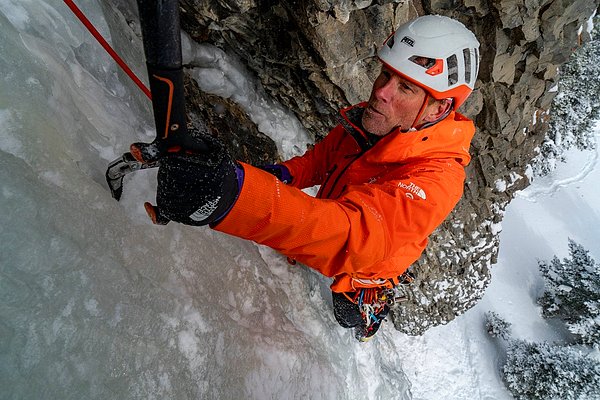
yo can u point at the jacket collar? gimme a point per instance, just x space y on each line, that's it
351 119
449 138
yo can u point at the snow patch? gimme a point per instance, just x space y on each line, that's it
221 74
9 142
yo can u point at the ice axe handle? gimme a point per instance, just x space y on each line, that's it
161 33
168 104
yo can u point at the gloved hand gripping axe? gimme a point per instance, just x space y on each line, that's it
161 35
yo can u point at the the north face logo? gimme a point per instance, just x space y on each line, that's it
412 190
205 211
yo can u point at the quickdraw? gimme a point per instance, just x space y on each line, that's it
374 303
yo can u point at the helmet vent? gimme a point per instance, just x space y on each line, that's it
476 61
424 62
467 57
390 42
452 69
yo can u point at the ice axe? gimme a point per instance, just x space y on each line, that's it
161 34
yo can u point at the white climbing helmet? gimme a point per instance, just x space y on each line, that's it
437 53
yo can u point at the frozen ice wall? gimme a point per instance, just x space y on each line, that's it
95 301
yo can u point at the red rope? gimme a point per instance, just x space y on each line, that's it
107 47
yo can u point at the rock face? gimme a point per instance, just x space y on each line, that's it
523 44
315 56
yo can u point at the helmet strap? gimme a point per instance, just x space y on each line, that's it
421 111
441 117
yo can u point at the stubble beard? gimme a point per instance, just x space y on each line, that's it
374 122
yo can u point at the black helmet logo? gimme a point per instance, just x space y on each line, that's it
409 41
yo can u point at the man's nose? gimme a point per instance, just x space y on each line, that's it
386 90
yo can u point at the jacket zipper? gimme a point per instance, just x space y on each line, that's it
328 175
363 149
337 178
363 143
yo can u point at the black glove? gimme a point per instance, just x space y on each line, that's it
195 188
280 171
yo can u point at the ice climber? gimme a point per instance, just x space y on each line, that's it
389 174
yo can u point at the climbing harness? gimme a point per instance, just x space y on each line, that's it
374 303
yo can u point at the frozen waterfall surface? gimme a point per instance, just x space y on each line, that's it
95 301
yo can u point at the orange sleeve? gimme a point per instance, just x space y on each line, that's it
310 169
365 226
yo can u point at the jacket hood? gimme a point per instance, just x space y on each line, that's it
449 138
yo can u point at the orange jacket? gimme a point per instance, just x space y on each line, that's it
375 208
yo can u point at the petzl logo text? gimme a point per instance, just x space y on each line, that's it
408 41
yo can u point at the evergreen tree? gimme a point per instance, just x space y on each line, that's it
496 326
546 372
575 109
572 293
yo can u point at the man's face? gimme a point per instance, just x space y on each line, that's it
394 102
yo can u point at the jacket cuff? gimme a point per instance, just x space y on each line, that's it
249 210
239 177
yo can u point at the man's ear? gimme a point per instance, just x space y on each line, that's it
437 109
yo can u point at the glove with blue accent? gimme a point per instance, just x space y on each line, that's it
280 171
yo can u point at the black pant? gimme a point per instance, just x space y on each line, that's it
346 312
